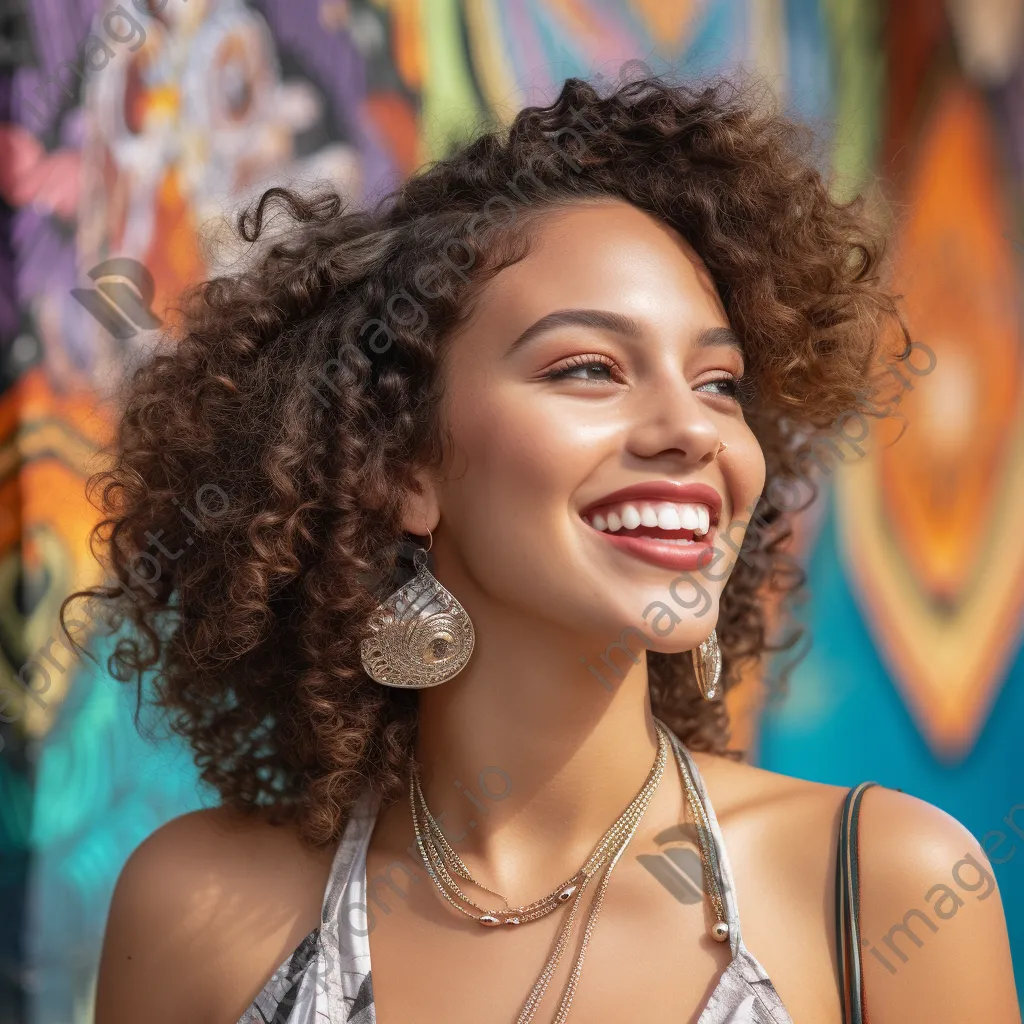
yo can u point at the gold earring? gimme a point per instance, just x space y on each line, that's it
420 636
707 667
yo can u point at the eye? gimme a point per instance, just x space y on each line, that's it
584 367
736 388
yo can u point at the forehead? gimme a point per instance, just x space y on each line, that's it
603 254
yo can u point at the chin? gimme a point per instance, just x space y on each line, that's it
669 624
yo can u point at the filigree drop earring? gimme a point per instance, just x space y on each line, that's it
707 657
420 636
707 667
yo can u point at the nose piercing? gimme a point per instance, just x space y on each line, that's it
721 448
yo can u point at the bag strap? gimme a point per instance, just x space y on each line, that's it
848 943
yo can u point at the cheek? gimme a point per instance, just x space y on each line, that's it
506 500
749 472
512 462
744 473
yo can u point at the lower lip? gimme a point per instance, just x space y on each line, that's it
667 554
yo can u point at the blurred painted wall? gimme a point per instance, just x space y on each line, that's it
125 128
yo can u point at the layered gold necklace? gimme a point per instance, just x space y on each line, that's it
444 865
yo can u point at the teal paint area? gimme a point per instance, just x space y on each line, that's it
100 790
842 721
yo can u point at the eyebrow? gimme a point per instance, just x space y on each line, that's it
618 323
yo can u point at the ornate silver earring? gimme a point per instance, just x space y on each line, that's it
707 667
420 636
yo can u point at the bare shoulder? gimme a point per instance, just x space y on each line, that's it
203 912
780 836
935 944
744 795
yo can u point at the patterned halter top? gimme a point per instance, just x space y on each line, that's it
327 979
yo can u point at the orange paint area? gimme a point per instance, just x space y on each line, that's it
929 520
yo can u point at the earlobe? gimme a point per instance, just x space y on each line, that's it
420 508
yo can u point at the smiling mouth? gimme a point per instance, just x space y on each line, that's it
669 533
670 521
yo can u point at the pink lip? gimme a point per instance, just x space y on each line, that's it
669 556
651 549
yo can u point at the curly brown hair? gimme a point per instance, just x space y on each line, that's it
262 452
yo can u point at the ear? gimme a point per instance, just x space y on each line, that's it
421 510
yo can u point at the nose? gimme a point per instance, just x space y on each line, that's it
671 422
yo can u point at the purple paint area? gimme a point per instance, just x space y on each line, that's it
8 296
58 28
333 63
45 254
1012 103
8 293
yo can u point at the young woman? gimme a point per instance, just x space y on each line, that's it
581 363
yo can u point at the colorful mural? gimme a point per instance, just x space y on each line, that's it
128 130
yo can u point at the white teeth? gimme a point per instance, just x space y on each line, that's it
630 517
668 518
662 515
689 516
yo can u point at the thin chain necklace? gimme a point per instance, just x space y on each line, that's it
442 862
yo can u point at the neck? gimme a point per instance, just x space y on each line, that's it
528 756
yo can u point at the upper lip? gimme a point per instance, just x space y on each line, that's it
665 490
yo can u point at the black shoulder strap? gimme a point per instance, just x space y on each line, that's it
848 909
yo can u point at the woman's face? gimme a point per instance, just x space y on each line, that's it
587 398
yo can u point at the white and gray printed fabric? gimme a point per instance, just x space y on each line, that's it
327 980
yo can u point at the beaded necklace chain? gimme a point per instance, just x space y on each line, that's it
444 865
